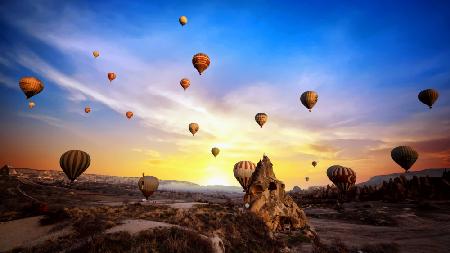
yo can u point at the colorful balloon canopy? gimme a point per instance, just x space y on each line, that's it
261 118
183 20
314 163
342 177
87 109
129 114
428 97
185 83
111 76
148 185
193 128
243 171
201 62
30 86
404 156
309 99
74 163
215 151
31 104
96 53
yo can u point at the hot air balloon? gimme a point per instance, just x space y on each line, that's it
111 76
30 86
87 109
201 62
261 119
342 177
148 185
129 114
243 171
404 156
183 20
314 163
185 83
307 179
74 162
215 151
31 104
309 99
96 53
428 97
193 128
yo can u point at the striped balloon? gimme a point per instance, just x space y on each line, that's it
261 118
309 99
30 86
74 163
148 185
201 62
342 177
404 156
428 97
185 83
193 128
243 171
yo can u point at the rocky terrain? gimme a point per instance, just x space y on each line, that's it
40 215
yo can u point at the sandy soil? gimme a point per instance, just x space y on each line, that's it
27 232
136 226
412 235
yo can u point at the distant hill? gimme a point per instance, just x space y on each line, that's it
377 180
164 185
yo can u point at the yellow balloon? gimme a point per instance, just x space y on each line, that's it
215 151
183 20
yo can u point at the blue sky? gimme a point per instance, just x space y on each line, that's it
366 60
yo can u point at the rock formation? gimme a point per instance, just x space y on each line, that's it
266 197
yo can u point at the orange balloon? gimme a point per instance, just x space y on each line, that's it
185 83
111 76
129 114
201 62
87 109
31 104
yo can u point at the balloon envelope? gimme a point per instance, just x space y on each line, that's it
342 177
30 86
148 185
309 99
428 97
404 156
87 109
243 171
261 118
314 163
201 62
183 20
193 128
74 162
129 114
185 83
111 76
215 151
31 105
96 53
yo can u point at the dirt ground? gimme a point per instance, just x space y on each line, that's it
409 226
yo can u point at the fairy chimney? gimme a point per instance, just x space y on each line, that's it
266 197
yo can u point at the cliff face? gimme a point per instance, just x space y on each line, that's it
266 197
